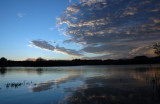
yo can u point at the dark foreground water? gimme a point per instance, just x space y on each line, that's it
134 84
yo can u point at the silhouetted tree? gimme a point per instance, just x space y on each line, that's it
156 46
141 58
3 59
40 59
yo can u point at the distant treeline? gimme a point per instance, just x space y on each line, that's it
43 63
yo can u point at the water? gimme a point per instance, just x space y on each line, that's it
121 84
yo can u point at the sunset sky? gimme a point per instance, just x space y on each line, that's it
87 29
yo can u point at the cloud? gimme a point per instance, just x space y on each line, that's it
146 50
47 46
51 28
112 27
68 51
42 44
21 15
70 1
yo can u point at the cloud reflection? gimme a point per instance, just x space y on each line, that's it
46 85
125 86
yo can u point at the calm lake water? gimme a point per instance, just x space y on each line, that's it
120 84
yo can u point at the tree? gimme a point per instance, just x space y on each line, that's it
156 47
3 59
40 59
141 58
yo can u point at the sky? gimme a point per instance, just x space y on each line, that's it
86 29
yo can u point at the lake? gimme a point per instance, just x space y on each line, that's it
112 84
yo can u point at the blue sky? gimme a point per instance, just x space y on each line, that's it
25 20
90 29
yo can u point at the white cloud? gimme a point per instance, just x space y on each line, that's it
21 15
51 28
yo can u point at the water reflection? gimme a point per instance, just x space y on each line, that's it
155 80
46 85
137 84
125 88
39 71
3 70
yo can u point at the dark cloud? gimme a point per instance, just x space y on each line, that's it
42 44
106 48
68 51
45 45
112 27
